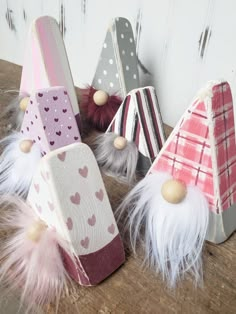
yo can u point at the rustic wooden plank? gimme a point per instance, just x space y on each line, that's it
132 289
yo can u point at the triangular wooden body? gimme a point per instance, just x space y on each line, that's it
49 119
139 120
117 69
46 63
68 193
201 151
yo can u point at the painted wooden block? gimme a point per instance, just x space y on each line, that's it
139 120
46 63
117 69
68 193
201 151
189 193
49 119
116 74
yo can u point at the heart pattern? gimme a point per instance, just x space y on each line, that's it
43 176
111 229
92 220
53 229
39 208
85 242
84 211
99 195
36 186
69 223
51 206
54 110
62 156
83 171
75 199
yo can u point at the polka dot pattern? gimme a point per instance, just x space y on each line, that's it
107 76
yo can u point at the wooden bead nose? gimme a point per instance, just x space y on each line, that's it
100 98
174 191
120 142
35 231
24 103
26 145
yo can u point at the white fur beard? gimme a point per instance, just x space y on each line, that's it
17 168
173 234
120 164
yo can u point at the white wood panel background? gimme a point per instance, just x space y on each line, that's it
181 44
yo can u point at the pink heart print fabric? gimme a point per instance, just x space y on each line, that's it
68 193
49 119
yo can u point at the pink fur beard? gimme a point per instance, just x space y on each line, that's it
33 267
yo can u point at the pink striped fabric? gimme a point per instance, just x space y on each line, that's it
46 63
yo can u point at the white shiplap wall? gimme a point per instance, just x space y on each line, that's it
181 43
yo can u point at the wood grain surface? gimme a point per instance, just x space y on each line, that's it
132 289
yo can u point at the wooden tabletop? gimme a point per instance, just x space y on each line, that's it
132 289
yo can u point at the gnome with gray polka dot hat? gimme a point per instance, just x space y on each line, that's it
116 75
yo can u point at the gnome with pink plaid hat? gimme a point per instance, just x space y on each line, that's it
189 193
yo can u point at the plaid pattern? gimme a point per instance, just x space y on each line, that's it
139 120
201 150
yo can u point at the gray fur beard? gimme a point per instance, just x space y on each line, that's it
13 114
118 163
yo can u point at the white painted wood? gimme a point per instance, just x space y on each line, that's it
168 41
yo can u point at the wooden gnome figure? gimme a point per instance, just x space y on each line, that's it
65 229
134 137
45 65
49 123
189 193
116 75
